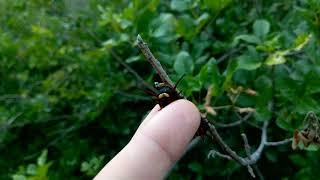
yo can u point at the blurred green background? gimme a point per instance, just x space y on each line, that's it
67 106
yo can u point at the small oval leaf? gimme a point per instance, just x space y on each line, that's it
184 63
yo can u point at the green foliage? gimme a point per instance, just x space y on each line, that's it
62 90
37 171
93 166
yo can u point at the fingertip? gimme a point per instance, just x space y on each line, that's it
173 127
152 113
157 144
188 110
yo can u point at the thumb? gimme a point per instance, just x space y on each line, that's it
157 145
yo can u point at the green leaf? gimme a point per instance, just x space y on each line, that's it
270 46
248 63
246 38
180 5
183 63
231 69
186 26
163 27
306 104
276 58
42 158
19 177
195 167
210 75
301 41
298 160
216 5
262 114
261 27
153 5
42 31
202 20
284 123
190 84
110 43
312 82
31 169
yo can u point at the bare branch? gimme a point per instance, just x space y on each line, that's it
217 138
278 143
222 107
236 123
246 145
243 161
250 170
257 154
214 153
248 152
153 61
248 122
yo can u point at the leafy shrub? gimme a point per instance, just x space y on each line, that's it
62 89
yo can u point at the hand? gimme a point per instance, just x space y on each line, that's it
159 142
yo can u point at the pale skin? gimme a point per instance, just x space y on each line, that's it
158 143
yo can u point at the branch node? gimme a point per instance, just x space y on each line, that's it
214 153
246 145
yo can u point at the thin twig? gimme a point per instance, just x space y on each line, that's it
248 152
236 123
248 122
222 107
228 54
153 61
217 138
214 153
133 72
278 143
258 172
250 170
133 97
246 145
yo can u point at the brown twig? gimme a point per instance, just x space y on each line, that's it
153 61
